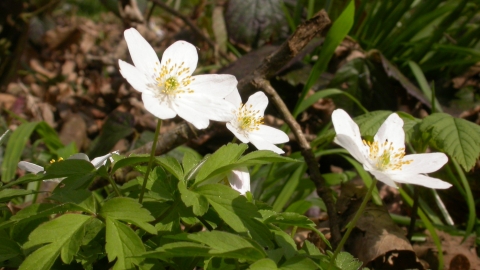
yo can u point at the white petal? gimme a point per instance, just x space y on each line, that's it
237 134
100 161
133 76
217 85
240 180
143 56
155 107
424 163
391 130
181 53
198 109
262 144
30 167
351 145
382 177
422 180
270 134
348 135
81 156
258 101
234 98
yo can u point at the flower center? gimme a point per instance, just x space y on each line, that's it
248 119
172 80
385 156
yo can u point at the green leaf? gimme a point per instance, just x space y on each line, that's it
298 262
457 137
67 168
49 136
122 243
178 249
130 161
38 210
286 243
290 219
237 212
262 157
327 93
189 161
224 244
160 185
335 36
193 199
172 166
14 150
128 210
62 235
8 249
263 264
226 155
346 261
8 194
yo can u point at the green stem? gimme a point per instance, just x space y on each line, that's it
352 223
413 219
114 185
150 162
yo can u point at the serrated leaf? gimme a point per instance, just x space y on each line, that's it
178 249
189 161
159 184
237 212
122 243
14 149
226 155
128 210
62 236
346 261
38 210
457 137
264 156
286 243
192 199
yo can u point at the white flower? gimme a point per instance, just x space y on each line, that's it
247 125
168 88
96 162
385 157
240 180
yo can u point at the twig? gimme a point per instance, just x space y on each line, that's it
192 26
322 190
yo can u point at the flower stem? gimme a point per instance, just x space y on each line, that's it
150 162
413 217
353 222
114 185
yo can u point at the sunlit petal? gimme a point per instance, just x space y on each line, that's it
270 134
30 167
180 54
234 98
424 163
153 105
237 134
257 102
392 131
133 76
143 56
264 144
240 180
215 85
421 180
385 178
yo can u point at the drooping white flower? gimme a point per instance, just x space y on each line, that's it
385 157
239 180
96 162
247 125
168 87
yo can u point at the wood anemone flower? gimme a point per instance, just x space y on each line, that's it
385 157
247 125
239 180
168 87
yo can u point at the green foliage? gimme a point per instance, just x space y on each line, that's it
457 137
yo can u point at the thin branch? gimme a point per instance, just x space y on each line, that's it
322 190
191 24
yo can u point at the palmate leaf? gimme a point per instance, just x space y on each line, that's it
459 138
128 210
62 235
